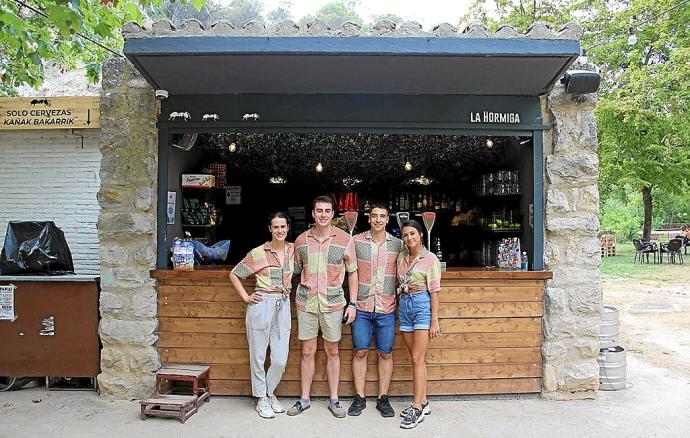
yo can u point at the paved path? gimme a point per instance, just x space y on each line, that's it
657 404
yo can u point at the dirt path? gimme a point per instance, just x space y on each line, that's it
654 320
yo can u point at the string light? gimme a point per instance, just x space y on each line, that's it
408 166
232 147
489 143
319 168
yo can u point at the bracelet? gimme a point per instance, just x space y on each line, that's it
351 304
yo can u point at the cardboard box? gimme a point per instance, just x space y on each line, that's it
198 180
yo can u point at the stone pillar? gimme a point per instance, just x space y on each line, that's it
573 301
127 232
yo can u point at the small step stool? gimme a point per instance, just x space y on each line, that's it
180 406
197 374
175 405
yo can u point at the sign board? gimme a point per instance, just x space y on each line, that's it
50 112
233 195
7 302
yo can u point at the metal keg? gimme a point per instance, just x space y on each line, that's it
608 331
612 366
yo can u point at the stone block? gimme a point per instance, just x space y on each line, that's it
555 301
128 332
110 303
124 224
553 350
126 386
552 252
572 169
144 198
580 376
575 131
587 348
125 276
566 276
569 224
559 327
549 382
114 255
144 304
113 69
115 197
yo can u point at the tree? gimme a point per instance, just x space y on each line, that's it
392 17
642 115
282 13
178 12
240 12
60 31
334 14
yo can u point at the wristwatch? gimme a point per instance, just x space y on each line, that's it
351 304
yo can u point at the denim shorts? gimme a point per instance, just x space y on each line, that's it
415 311
380 325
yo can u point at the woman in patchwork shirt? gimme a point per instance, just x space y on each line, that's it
419 277
268 317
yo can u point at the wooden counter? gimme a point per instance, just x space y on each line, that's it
491 322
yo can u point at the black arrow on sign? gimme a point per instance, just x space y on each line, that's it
88 117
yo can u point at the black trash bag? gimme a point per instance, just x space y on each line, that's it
35 248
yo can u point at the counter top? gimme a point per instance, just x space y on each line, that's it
451 273
46 278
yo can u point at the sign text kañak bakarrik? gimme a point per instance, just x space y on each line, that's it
494 117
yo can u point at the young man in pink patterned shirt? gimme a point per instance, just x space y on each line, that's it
322 255
377 253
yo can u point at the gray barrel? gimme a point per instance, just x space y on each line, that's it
608 332
612 365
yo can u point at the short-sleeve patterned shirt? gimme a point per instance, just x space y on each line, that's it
421 273
376 271
322 265
263 263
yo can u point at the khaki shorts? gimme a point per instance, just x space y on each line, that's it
331 325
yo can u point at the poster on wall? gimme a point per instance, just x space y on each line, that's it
233 195
7 302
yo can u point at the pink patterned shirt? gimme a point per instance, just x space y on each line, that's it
421 273
376 271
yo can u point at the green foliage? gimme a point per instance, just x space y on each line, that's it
178 12
392 17
28 38
282 13
335 13
240 12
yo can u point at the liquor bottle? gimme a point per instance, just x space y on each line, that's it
419 203
425 201
458 206
437 202
408 203
430 202
401 201
444 202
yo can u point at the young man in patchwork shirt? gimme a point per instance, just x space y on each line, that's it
377 252
322 255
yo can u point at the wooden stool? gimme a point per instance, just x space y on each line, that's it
197 374
180 406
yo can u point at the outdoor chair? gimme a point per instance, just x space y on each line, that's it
672 248
686 243
643 249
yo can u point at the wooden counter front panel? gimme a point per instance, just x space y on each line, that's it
491 344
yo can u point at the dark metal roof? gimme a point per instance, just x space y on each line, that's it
387 60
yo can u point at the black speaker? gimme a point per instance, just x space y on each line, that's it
581 81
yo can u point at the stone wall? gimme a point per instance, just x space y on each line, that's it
573 300
127 232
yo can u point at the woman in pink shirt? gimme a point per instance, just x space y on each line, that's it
419 278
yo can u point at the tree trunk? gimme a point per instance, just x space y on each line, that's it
647 202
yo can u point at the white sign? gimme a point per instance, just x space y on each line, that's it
172 196
494 117
7 302
233 195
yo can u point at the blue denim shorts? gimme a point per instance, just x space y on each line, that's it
368 324
415 311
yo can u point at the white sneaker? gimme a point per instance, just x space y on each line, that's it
263 407
275 404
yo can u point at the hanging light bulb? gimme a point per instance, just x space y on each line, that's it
319 168
408 166
232 147
489 143
632 38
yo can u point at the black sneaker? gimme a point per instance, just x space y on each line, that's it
412 419
357 406
384 406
